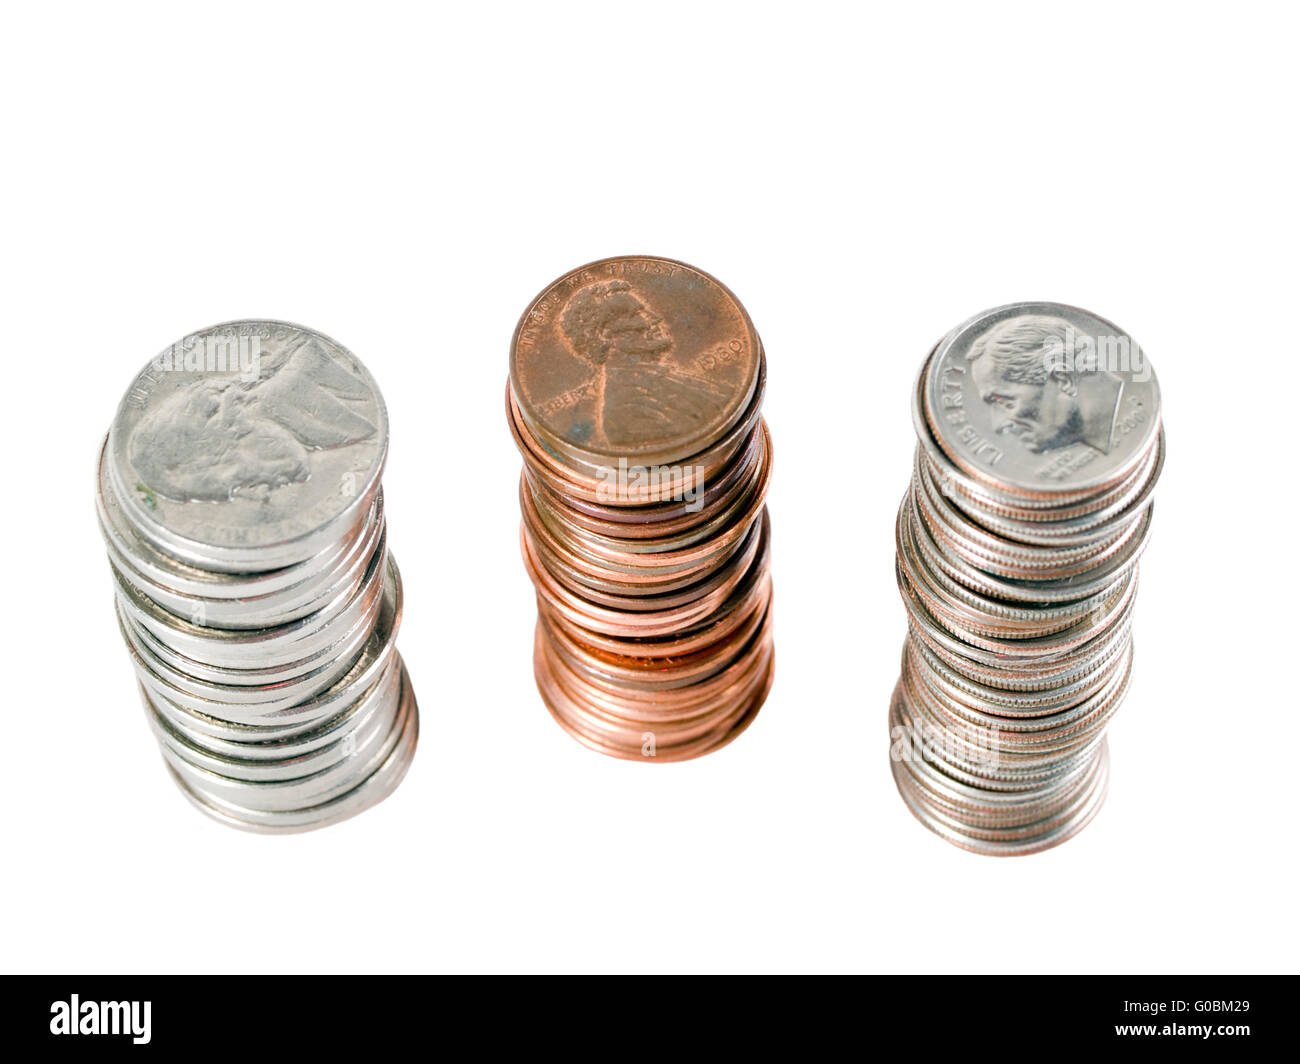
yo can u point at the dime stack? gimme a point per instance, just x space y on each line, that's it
239 496
1018 541
635 392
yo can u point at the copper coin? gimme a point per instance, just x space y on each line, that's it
635 399
635 357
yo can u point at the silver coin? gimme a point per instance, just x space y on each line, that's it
1042 398
1038 449
248 446
243 703
301 755
367 792
267 714
303 790
239 498
290 645
236 601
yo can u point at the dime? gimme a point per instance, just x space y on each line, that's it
1042 399
635 398
239 499
1038 449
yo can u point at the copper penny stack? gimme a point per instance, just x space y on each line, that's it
635 392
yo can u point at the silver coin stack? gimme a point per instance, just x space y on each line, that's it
1039 446
239 495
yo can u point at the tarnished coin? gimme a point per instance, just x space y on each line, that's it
248 446
638 358
1042 398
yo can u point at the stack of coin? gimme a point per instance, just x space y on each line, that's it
239 497
635 392
1031 498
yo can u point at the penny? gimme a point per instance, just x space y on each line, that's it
634 397
638 483
630 739
650 622
636 357
750 595
666 670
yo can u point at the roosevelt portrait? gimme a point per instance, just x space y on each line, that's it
1038 395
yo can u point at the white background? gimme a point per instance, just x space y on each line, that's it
405 179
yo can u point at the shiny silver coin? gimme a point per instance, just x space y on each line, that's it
1042 399
244 703
296 781
238 495
210 721
1038 449
278 701
382 780
260 749
222 651
304 754
978 815
248 446
237 601
257 674
156 569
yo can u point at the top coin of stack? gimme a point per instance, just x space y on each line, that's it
1078 440
239 498
599 375
635 397
1038 449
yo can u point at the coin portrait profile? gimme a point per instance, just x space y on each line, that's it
1048 402
641 393
219 438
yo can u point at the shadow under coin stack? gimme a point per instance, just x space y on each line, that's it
239 497
635 392
1031 500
